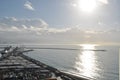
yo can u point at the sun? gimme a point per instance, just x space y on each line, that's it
87 5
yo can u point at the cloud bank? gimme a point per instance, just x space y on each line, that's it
20 31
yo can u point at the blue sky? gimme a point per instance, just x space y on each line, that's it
60 12
47 18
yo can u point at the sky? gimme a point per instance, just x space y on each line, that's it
59 21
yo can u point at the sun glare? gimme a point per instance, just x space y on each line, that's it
86 61
87 5
88 46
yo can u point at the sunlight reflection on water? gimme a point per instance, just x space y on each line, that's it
86 62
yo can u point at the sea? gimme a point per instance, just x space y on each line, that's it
92 61
96 62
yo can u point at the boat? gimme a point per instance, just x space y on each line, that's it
14 65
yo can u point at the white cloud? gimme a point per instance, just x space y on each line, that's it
104 1
15 28
24 27
30 25
38 31
27 26
74 4
28 5
55 30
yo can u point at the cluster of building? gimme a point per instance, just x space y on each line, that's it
26 74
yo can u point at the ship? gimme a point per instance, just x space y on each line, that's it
15 65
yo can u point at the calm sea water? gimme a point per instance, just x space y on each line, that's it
81 60
98 65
